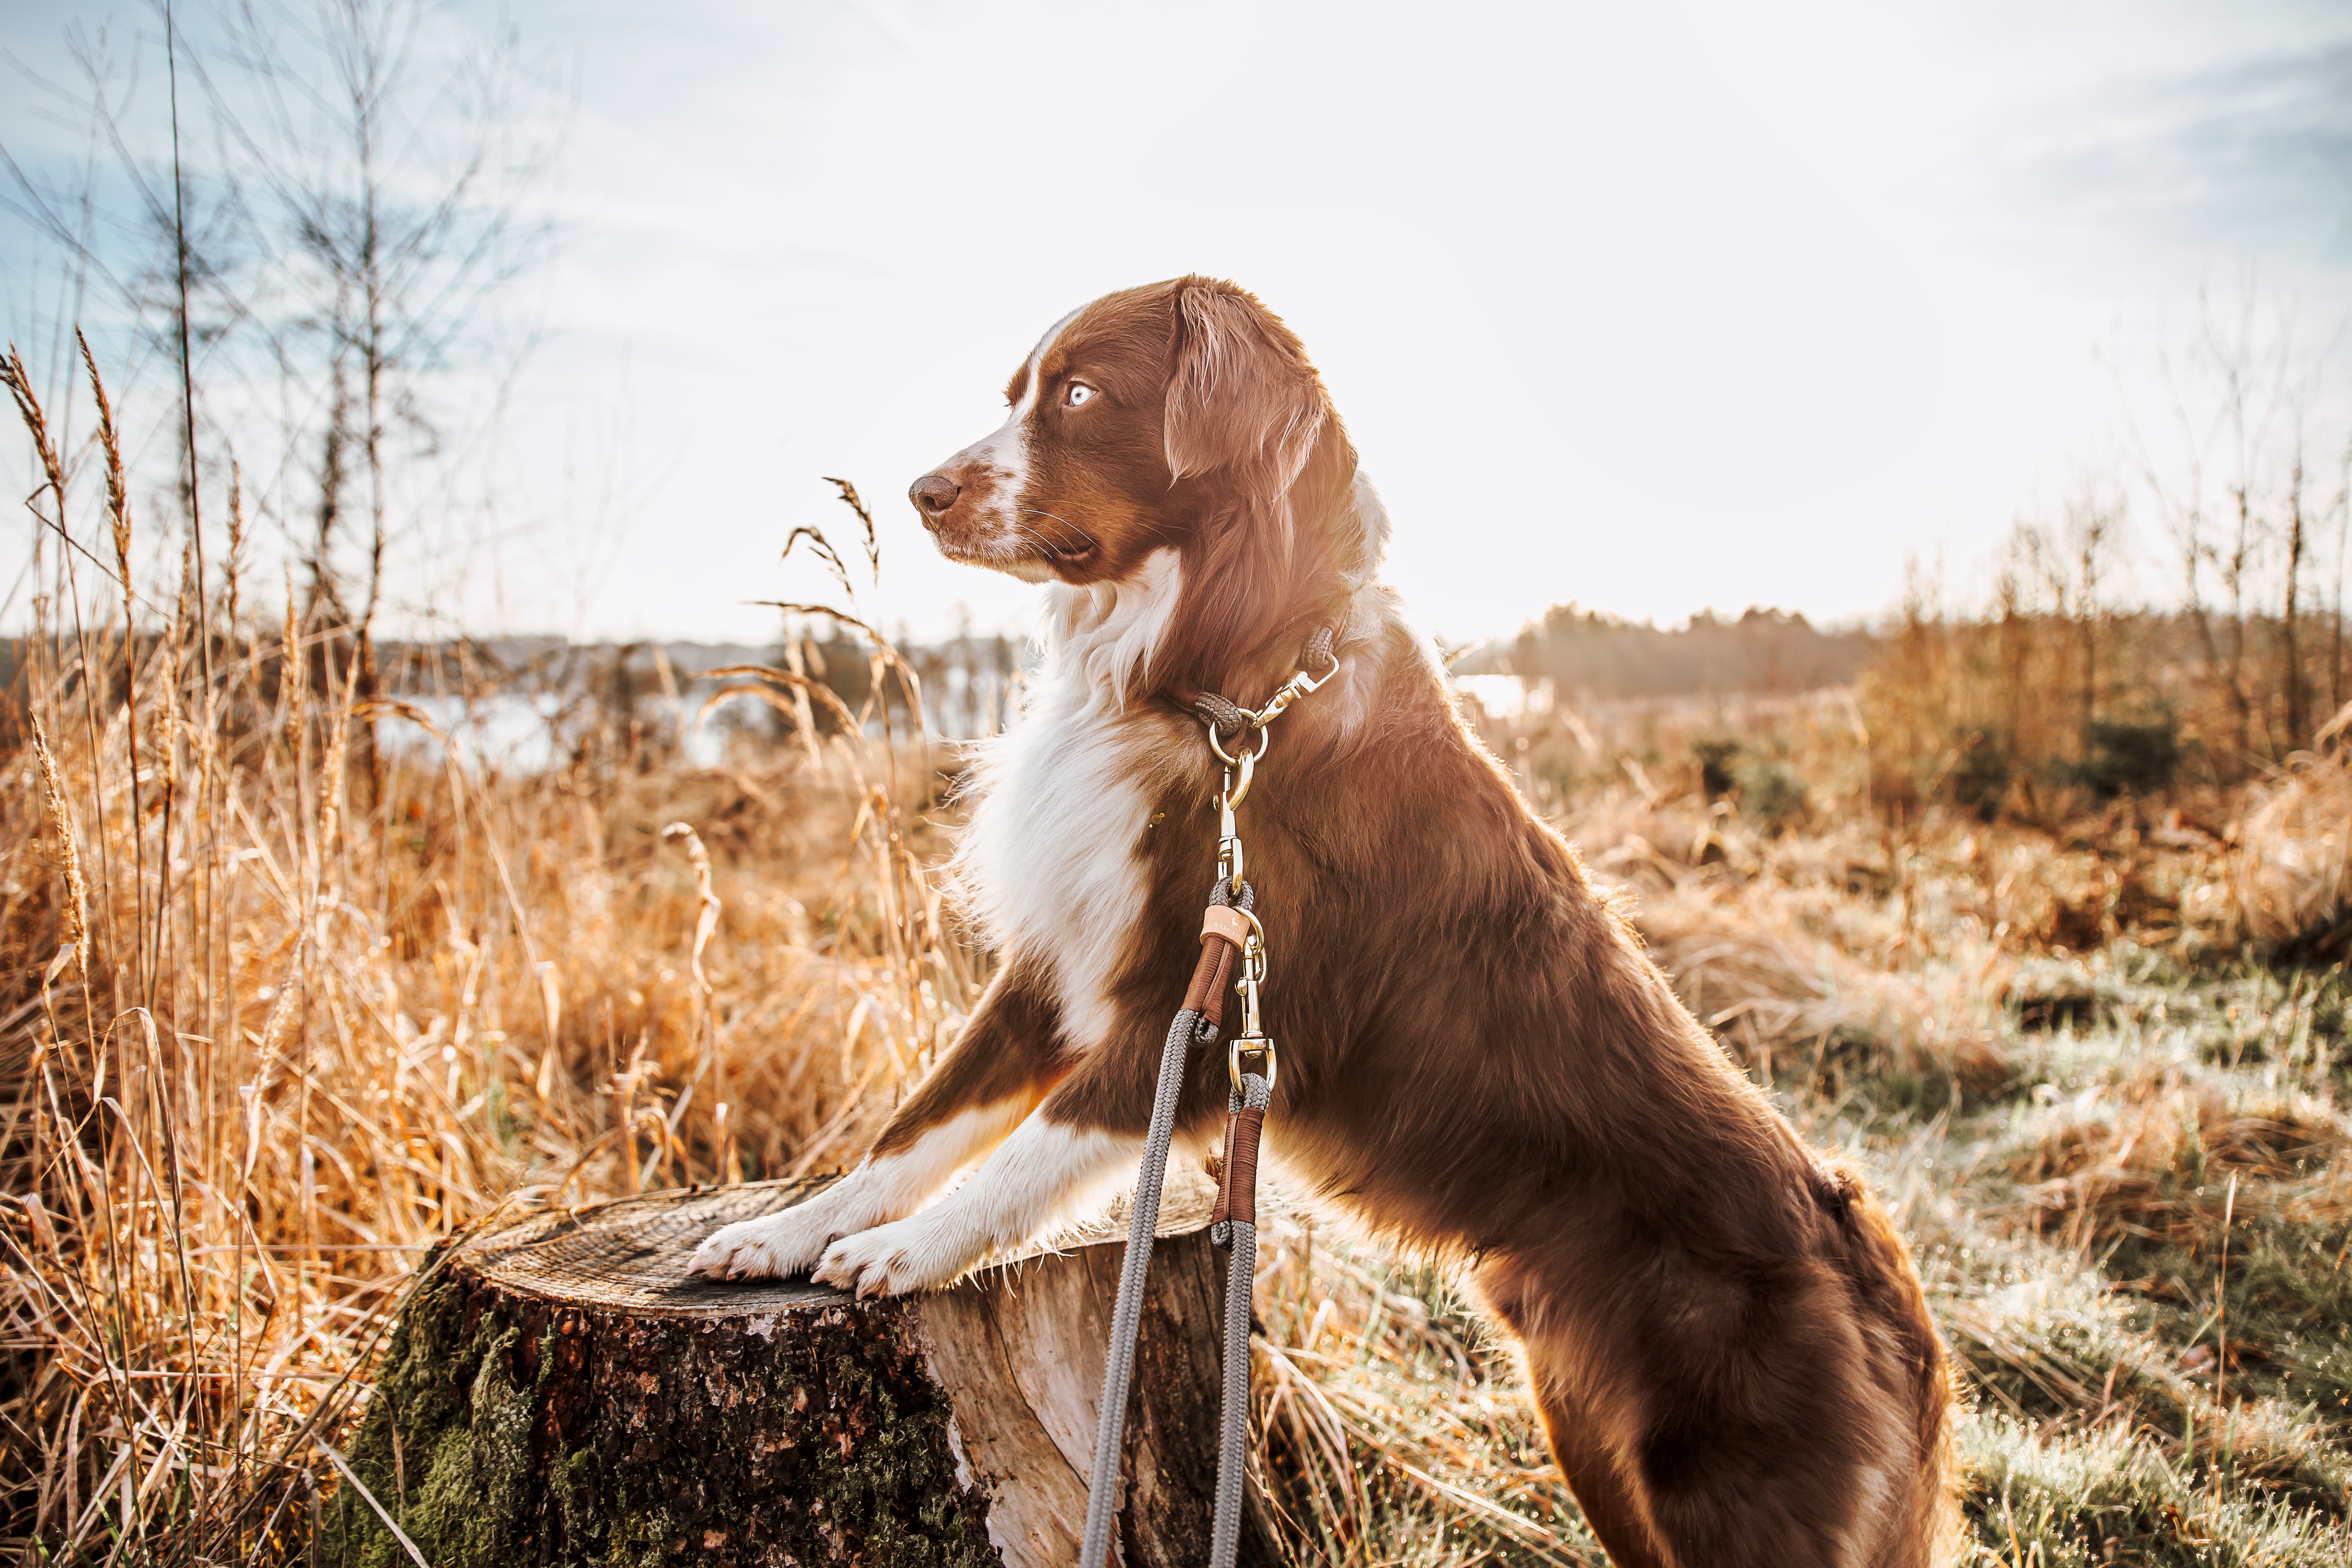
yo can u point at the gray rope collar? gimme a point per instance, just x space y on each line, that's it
1229 718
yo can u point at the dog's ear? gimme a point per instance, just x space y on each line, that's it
1243 394
1246 406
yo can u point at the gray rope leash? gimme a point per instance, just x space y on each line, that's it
1240 1277
1233 942
1103 1492
1110 1426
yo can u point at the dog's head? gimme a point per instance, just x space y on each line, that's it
1181 414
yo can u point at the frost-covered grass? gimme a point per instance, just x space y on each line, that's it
2134 1396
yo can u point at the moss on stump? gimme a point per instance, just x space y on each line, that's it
557 1392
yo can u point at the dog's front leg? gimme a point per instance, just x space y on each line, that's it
1086 1136
1004 1061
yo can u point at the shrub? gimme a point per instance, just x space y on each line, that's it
1980 779
2123 756
1771 794
1716 755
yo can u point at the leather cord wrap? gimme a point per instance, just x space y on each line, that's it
1233 1437
1237 1179
1227 719
1206 996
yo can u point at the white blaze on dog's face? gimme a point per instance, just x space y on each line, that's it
978 501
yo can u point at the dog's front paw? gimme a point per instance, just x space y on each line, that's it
893 1259
768 1248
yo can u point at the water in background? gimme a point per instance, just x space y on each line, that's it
632 696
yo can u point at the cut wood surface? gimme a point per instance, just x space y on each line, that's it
558 1391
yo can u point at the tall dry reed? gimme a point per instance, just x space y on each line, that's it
274 1021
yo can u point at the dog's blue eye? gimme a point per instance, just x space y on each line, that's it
1079 392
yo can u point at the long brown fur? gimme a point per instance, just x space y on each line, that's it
1722 1329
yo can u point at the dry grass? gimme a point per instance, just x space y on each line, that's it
277 1010
2294 883
273 1022
355 1042
2119 1147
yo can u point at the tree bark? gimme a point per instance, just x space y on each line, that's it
557 1392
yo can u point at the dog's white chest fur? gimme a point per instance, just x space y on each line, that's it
1050 862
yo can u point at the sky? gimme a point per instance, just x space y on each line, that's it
1650 307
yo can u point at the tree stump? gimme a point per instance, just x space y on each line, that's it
557 1391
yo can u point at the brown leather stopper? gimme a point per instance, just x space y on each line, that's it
1206 994
1225 920
1237 1190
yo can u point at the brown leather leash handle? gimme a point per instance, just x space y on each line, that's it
1224 931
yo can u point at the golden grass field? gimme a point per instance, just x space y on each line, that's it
280 1010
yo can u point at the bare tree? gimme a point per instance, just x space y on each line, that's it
2292 672
2343 510
2231 486
2066 574
2092 527
352 202
399 185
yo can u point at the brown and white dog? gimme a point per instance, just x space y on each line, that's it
1723 1332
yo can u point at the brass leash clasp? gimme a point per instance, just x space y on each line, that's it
1240 760
1239 767
1250 1038
1300 684
1248 1045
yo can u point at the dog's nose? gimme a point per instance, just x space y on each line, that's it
933 494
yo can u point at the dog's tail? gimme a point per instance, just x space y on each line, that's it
1911 1365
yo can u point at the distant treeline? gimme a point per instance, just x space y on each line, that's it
970 682
1600 655
1987 710
967 682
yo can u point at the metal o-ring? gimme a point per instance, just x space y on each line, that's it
1256 930
1264 739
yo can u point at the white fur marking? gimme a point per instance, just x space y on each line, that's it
1004 457
1049 864
880 1190
1036 1178
1108 632
1373 518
